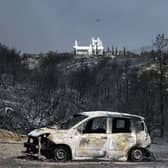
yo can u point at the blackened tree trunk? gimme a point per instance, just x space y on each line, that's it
161 43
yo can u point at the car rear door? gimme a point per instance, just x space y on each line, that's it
121 138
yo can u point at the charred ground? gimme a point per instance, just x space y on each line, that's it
11 156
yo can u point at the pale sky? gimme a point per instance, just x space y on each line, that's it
41 25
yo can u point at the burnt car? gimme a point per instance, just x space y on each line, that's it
92 135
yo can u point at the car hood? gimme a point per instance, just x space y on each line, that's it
41 131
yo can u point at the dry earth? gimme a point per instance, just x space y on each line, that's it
11 156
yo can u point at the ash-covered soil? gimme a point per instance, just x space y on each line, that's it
11 156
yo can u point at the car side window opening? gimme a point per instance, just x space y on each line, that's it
95 125
121 125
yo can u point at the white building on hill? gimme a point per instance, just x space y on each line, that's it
95 48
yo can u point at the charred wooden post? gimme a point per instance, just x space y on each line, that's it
39 147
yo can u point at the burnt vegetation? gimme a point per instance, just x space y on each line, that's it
61 85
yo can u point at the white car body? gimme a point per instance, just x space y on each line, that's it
111 137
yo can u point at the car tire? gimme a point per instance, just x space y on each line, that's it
62 154
136 155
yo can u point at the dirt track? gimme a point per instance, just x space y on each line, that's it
11 157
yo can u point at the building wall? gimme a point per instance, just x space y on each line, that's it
95 48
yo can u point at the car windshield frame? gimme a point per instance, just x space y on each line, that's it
72 121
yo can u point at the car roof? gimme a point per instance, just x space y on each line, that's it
110 114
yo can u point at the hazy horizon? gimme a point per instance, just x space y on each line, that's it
43 25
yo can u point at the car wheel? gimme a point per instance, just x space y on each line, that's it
137 154
62 154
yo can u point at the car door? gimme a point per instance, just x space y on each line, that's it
93 138
121 139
